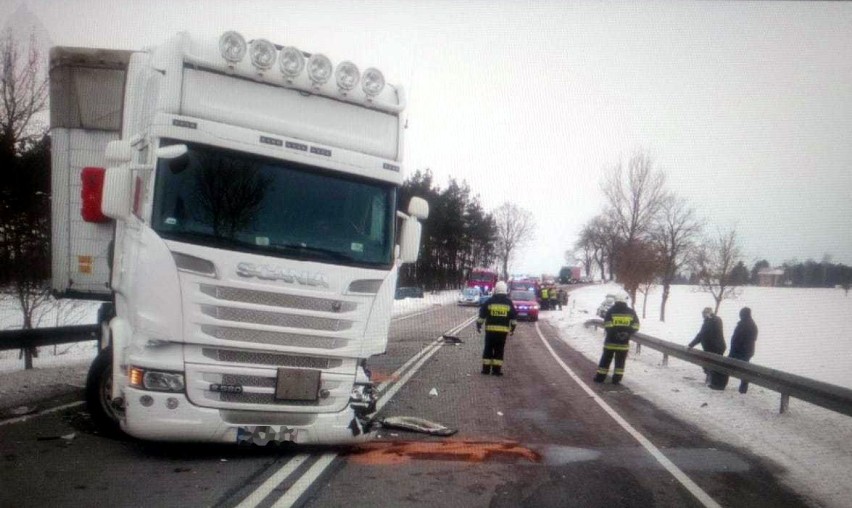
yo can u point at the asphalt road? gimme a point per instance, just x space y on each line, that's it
533 437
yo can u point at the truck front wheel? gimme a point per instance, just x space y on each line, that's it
99 394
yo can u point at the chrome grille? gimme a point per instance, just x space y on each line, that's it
264 398
275 338
277 299
259 381
278 360
275 319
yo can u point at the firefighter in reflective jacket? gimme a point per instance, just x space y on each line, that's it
499 317
620 323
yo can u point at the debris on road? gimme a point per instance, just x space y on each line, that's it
415 424
451 339
499 413
433 392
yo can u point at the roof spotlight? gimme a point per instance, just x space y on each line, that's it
291 62
319 68
232 46
262 54
373 82
347 76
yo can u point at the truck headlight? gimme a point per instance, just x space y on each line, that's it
232 46
156 381
347 76
319 68
262 54
291 62
373 82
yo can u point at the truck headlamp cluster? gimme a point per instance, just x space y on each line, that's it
232 46
291 62
262 54
156 381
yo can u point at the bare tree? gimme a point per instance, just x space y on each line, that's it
674 233
634 196
515 227
24 180
715 259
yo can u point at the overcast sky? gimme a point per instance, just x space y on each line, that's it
746 106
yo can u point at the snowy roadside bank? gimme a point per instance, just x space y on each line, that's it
811 445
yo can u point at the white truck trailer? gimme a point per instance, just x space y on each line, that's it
234 205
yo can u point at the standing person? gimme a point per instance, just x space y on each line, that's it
499 317
563 298
554 299
620 323
545 298
742 341
712 340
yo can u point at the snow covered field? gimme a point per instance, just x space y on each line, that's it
800 332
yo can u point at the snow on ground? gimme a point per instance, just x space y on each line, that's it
811 444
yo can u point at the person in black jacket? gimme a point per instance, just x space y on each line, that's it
620 322
712 340
742 341
498 316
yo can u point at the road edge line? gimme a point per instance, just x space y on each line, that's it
670 466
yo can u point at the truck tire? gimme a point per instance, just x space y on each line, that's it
99 396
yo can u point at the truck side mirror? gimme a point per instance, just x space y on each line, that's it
418 207
409 242
118 185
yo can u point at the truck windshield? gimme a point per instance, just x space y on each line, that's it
222 198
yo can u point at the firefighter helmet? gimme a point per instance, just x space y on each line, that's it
500 288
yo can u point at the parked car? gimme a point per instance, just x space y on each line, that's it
408 292
525 304
470 296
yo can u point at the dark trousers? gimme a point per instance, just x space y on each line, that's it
620 356
743 382
492 355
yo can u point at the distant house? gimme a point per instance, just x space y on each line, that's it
770 277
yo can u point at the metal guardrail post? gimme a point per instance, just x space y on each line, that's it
785 403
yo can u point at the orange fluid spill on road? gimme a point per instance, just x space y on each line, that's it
399 452
378 377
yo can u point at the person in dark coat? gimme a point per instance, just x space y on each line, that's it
742 341
498 316
712 340
620 323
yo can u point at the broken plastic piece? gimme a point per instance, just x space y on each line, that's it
433 392
415 424
451 339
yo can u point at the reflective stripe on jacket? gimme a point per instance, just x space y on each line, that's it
498 314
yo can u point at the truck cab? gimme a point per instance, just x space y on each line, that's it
234 204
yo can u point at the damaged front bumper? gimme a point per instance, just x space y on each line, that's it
163 416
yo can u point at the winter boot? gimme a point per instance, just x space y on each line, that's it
616 379
486 369
599 378
496 371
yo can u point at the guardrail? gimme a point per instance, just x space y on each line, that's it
19 339
829 396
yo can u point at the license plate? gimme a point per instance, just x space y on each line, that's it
297 384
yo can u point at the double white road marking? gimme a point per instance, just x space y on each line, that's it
304 482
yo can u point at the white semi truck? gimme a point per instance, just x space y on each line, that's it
234 204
